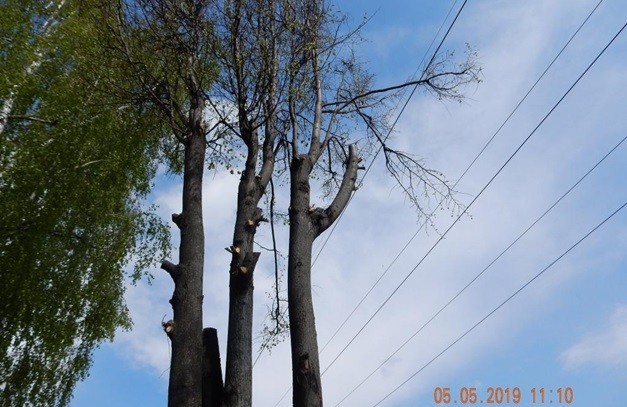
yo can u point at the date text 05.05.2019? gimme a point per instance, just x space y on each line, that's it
503 395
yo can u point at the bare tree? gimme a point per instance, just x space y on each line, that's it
244 48
328 105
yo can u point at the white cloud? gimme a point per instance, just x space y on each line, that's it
606 347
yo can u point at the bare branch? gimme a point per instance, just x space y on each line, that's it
417 182
331 213
314 146
345 103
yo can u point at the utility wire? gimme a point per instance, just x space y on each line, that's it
392 129
503 303
484 270
400 253
475 198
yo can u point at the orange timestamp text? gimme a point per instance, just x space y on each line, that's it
503 395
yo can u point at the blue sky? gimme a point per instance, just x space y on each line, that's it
568 328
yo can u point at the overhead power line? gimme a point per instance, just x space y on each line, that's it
503 303
511 157
472 163
471 282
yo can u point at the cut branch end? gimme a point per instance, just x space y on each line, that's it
171 268
168 328
177 218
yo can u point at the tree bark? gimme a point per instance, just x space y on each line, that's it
306 224
185 386
212 385
238 383
307 389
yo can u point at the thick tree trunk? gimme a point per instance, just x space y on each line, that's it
212 385
238 383
306 224
238 376
307 390
185 386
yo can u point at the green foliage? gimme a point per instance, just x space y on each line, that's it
162 53
75 167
